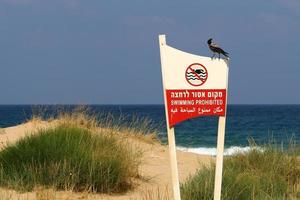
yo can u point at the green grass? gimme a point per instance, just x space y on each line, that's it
69 157
269 174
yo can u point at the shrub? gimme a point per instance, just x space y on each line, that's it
267 174
69 157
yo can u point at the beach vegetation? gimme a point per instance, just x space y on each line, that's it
267 173
78 152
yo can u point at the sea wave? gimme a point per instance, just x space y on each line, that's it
213 151
193 78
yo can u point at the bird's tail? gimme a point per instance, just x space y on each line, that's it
225 54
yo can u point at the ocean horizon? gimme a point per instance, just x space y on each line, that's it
261 123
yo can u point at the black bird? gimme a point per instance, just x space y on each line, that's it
216 49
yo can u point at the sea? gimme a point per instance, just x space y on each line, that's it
245 124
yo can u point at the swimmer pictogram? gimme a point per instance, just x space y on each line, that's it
196 74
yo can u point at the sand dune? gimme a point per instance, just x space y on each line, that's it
154 171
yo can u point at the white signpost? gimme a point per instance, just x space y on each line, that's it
193 86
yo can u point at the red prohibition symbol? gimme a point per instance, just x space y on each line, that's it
196 74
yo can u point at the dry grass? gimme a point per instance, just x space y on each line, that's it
156 194
81 117
141 129
41 193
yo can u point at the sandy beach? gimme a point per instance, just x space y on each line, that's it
154 178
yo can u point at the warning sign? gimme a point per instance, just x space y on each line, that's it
196 74
185 104
194 85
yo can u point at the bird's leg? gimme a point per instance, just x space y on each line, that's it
213 55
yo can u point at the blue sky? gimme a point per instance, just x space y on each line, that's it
106 52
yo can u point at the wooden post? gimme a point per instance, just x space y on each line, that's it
171 134
219 162
220 148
